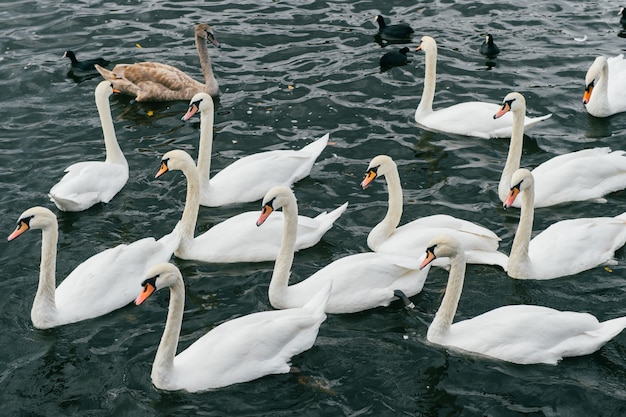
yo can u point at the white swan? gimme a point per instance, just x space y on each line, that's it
480 243
605 83
236 239
239 350
559 179
89 183
473 118
103 283
566 247
248 178
154 81
359 282
523 334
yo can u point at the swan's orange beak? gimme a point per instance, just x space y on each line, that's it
148 289
506 107
193 109
115 90
265 213
163 169
370 175
511 197
22 226
587 94
430 256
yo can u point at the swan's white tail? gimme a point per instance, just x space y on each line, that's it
318 146
328 219
612 328
318 303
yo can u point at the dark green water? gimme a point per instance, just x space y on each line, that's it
375 363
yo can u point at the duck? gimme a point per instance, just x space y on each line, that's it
359 282
390 33
563 248
604 83
488 48
394 58
557 180
521 334
88 183
473 118
236 239
248 178
101 284
86 65
239 350
622 19
480 243
154 81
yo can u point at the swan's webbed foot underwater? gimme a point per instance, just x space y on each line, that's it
408 304
314 382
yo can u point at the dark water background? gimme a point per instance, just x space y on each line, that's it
375 363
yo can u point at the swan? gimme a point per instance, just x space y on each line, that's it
588 174
473 118
566 247
103 283
605 82
489 48
153 81
248 178
87 183
397 32
359 282
480 243
522 334
86 65
239 350
236 239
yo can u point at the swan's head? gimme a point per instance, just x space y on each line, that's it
521 180
594 73
378 167
513 102
442 246
174 160
105 89
34 218
200 102
427 45
159 276
205 31
277 197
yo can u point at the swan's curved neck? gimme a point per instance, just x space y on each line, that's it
205 63
514 156
388 224
519 262
192 206
206 144
599 97
430 83
44 311
282 267
440 326
114 153
164 359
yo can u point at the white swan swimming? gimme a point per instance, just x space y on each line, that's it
239 350
92 182
473 118
359 282
480 243
236 239
605 83
247 179
566 247
522 334
103 283
559 179
154 81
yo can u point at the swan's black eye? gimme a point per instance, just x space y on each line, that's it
25 220
373 170
518 185
151 281
431 249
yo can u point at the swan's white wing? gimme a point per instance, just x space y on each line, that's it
617 83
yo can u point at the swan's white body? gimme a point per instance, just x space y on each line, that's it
469 119
588 174
359 282
605 83
523 334
92 182
103 283
239 350
480 243
236 239
564 248
248 178
153 81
